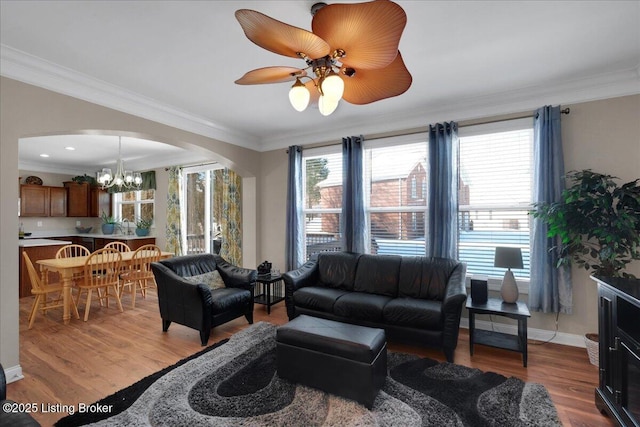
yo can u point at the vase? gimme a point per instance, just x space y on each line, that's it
108 228
142 232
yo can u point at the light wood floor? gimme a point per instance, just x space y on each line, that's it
84 362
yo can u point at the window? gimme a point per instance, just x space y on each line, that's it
495 193
397 212
200 225
322 178
134 205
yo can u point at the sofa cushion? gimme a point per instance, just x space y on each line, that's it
415 313
425 278
378 274
226 299
318 298
337 269
361 306
212 279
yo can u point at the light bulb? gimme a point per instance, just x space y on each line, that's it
137 178
299 96
128 177
333 86
327 105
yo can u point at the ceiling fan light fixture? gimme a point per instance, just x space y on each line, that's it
299 96
333 86
327 105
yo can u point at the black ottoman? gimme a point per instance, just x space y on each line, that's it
339 358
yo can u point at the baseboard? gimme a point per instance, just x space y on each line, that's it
532 333
13 373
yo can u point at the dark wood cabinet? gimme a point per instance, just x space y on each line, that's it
99 201
87 201
41 201
618 392
78 199
57 201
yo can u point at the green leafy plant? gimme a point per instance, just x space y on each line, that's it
108 219
597 222
144 223
80 179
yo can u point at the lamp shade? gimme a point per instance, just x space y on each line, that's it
507 257
299 96
327 105
333 86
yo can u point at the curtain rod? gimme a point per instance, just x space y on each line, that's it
426 128
199 164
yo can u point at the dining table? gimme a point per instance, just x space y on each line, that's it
67 267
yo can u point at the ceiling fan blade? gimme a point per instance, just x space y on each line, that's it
279 37
270 75
369 33
368 86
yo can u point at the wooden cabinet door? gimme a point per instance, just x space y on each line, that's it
34 200
77 199
57 201
99 201
137 243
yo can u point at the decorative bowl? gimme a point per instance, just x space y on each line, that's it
83 229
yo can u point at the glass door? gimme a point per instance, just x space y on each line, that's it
200 226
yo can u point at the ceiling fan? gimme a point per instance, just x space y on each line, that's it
351 53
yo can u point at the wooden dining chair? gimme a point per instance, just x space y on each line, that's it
69 251
42 291
119 246
101 271
139 276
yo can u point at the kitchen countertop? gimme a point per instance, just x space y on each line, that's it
54 234
28 243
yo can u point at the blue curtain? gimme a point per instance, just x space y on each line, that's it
294 238
550 287
442 232
354 224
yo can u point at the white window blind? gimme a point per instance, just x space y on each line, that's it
495 193
322 181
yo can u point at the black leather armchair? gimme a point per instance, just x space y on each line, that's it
195 304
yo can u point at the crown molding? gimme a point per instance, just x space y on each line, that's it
30 69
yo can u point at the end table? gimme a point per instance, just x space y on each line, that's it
269 290
495 306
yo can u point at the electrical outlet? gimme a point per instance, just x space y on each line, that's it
78 224
39 224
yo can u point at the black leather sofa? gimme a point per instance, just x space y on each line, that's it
417 300
196 305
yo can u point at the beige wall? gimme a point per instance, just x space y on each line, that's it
601 135
26 110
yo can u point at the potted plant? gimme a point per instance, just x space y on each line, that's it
81 179
109 223
597 222
142 226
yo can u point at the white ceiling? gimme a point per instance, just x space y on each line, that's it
175 62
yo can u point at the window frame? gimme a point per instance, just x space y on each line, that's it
118 202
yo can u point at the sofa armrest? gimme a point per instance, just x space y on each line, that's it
235 277
306 275
180 301
455 296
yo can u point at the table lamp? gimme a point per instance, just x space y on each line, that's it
508 258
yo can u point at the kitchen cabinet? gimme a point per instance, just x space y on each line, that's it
86 201
42 201
134 244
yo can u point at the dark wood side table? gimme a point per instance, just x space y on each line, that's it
269 290
495 306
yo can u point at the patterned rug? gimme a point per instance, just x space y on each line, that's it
235 384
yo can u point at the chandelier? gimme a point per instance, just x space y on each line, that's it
122 178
